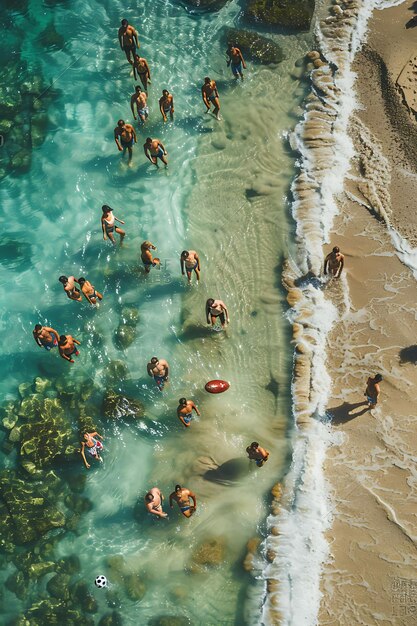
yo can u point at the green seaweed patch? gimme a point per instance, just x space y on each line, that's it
118 406
294 14
54 611
208 554
254 47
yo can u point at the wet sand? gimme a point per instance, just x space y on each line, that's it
371 468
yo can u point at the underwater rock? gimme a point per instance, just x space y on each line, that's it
50 38
208 554
134 586
37 570
53 611
205 5
113 599
124 336
41 384
81 595
130 315
58 586
169 620
77 503
254 47
69 565
17 583
25 389
10 421
116 406
15 434
30 406
116 370
111 619
295 14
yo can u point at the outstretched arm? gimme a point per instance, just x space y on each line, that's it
341 265
83 455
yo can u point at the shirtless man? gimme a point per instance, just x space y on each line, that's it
45 337
93 445
128 40
147 259
236 60
70 288
140 99
108 225
182 498
154 150
153 502
185 411
217 309
141 69
257 454
191 260
334 262
211 96
159 369
372 390
67 348
166 105
89 291
124 136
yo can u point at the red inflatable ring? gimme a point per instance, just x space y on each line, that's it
217 386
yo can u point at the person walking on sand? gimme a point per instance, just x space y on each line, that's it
191 261
146 255
372 390
210 96
166 105
257 454
139 98
70 288
141 70
89 291
153 502
159 370
236 61
128 40
108 225
334 262
182 496
67 348
185 411
217 309
45 337
93 445
125 136
154 149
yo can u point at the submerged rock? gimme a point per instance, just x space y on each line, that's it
205 5
69 565
208 554
135 587
111 619
124 336
117 406
254 47
130 315
83 598
50 38
58 586
295 14
17 583
116 370
169 620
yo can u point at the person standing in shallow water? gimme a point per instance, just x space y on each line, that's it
153 502
185 411
128 40
146 256
236 61
93 445
154 149
125 136
45 337
70 288
139 98
217 309
257 454
372 390
141 69
182 497
191 261
210 96
166 105
89 291
108 225
67 348
334 262
159 369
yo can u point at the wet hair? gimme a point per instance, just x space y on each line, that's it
178 487
254 444
146 244
120 122
125 22
63 279
207 79
154 360
165 92
183 401
185 253
81 281
148 139
106 208
209 302
336 249
378 378
138 87
62 339
149 497
38 327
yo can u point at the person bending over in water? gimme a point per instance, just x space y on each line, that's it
217 309
166 105
67 348
93 445
89 291
159 369
140 99
211 96
70 288
108 225
191 260
334 262
182 498
235 60
45 337
128 40
154 150
257 454
141 69
153 502
124 136
372 390
185 411
147 259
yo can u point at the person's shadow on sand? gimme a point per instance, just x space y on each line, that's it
408 355
229 472
413 22
345 412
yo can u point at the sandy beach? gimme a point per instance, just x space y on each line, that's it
371 575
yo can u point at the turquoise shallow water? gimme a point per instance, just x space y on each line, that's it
224 195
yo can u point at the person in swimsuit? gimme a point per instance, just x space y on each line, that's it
67 348
141 69
147 259
334 262
166 105
159 370
89 291
93 445
217 309
70 288
372 390
45 337
211 96
140 99
124 136
108 225
191 260
185 411
257 454
128 40
236 60
154 150
182 498
153 502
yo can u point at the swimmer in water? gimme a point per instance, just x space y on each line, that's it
191 261
45 337
182 498
93 445
108 225
185 411
211 96
236 61
166 105
141 69
125 136
67 348
70 288
159 370
153 502
372 390
89 291
334 262
128 40
217 309
257 454
147 259
154 150
140 99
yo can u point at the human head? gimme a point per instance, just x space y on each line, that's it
138 88
81 281
149 497
336 249
184 254
125 23
38 328
106 209
207 80
183 401
210 302
148 139
146 244
154 360
121 123
165 92
254 444
377 378
63 280
62 340
178 488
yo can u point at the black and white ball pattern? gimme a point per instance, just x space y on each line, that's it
100 582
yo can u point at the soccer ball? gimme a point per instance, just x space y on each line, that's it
100 582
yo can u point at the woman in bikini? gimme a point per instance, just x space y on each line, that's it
108 225
141 70
93 445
